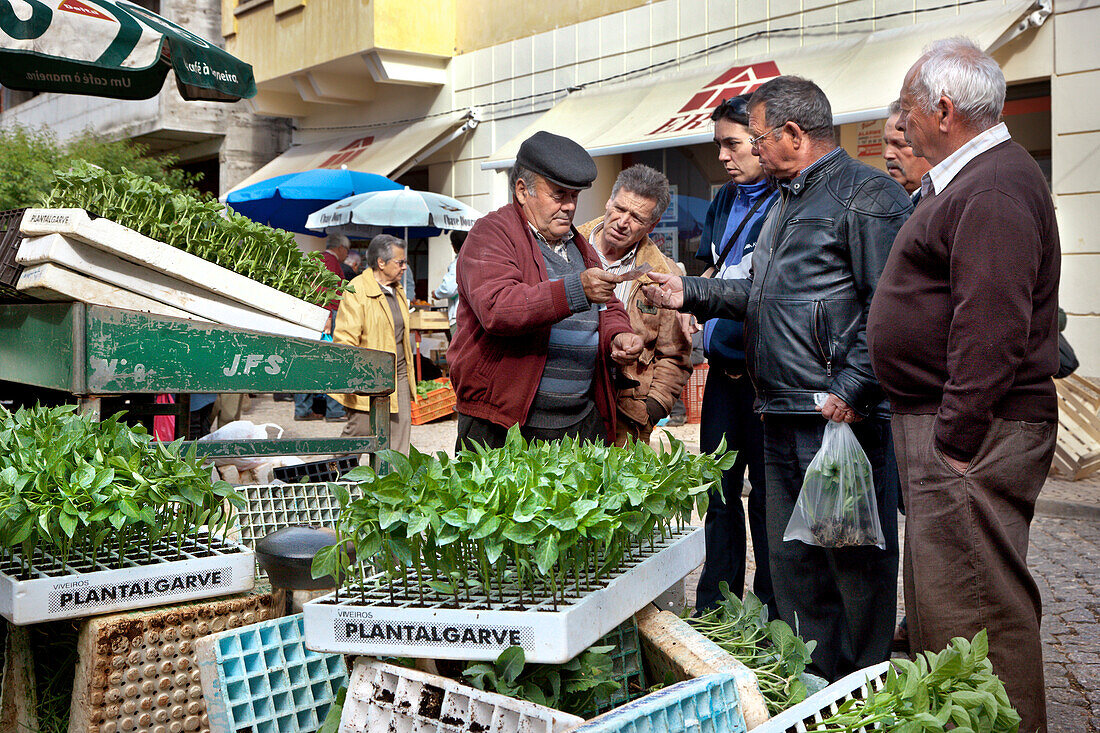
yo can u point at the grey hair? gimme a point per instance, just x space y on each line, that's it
518 173
649 183
794 99
353 256
381 248
895 108
958 69
333 241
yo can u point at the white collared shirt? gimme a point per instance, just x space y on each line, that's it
935 180
560 248
622 290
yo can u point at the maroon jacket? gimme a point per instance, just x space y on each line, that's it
506 307
332 265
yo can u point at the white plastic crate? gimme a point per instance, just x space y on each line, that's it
707 704
271 507
56 591
351 622
129 245
197 299
385 697
261 678
823 704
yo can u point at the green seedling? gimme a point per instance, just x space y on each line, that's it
205 228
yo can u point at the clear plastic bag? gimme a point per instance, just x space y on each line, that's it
837 506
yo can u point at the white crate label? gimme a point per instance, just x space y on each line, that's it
368 631
49 217
73 595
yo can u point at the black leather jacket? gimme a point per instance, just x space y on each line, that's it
817 261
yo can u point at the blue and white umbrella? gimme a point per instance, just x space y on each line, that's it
366 214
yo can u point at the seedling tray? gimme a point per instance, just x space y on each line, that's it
707 703
823 704
369 619
271 507
385 697
137 671
316 471
262 678
51 590
129 245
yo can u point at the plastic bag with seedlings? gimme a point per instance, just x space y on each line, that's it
836 506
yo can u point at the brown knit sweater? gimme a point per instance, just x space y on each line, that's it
963 322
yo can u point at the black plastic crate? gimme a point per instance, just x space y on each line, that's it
9 246
316 471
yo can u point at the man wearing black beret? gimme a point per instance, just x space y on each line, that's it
538 320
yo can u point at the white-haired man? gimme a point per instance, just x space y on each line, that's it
963 336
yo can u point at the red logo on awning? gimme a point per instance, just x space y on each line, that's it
75 6
737 80
348 153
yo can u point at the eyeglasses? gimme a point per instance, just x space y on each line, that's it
754 141
399 263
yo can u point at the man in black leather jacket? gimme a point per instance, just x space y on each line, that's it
817 261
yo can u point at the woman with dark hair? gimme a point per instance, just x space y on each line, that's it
375 316
728 240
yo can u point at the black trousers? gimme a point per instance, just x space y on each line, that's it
474 429
728 413
845 599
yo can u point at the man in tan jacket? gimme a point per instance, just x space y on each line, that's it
621 239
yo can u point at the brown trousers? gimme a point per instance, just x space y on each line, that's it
400 422
966 538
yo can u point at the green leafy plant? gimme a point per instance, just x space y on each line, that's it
955 687
29 156
74 490
771 649
203 227
425 386
551 519
575 687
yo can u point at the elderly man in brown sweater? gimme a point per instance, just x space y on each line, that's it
964 339
621 240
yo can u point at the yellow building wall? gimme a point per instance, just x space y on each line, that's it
319 31
480 24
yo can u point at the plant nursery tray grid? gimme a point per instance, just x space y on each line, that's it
366 619
49 589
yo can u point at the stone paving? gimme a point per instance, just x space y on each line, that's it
1064 557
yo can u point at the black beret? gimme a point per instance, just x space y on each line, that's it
557 159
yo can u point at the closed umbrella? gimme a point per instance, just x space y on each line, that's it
424 212
111 48
285 201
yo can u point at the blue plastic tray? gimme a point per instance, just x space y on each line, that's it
262 679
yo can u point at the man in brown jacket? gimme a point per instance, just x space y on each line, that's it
621 239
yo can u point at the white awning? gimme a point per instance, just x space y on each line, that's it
381 150
860 74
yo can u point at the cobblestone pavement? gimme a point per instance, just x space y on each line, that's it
1064 558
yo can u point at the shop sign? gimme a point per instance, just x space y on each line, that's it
869 139
735 81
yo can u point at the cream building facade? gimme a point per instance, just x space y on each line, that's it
439 94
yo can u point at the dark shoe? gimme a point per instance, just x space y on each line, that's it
310 416
336 418
675 421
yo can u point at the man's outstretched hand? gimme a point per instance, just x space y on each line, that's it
626 348
667 293
599 285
